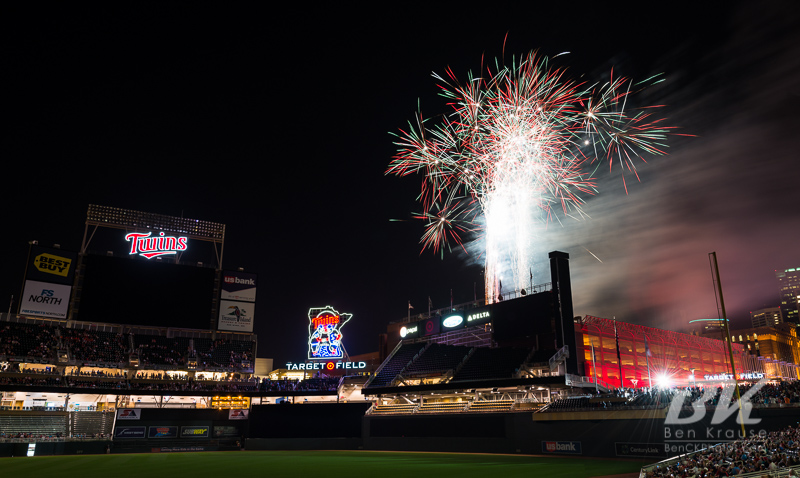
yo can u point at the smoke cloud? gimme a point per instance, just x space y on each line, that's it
732 189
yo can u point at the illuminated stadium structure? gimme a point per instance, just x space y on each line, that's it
487 377
648 356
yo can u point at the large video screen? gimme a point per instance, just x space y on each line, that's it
123 290
523 318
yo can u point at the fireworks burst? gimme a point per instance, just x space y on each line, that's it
521 145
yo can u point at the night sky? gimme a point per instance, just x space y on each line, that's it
277 123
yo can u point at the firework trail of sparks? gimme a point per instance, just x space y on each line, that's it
521 145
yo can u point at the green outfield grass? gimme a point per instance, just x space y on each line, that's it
299 464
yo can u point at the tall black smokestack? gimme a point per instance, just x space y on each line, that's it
562 288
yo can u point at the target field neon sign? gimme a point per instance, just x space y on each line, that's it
326 366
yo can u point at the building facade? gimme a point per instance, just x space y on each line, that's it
766 317
789 283
630 355
778 342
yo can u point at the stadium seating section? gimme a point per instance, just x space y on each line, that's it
463 363
42 342
86 358
56 425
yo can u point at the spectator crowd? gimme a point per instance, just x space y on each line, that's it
766 453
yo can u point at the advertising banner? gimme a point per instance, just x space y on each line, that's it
45 299
238 286
409 331
643 450
194 432
182 449
130 432
226 432
236 316
567 447
430 326
51 265
162 432
129 414
238 414
478 316
453 321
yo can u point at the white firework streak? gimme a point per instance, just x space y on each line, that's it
513 153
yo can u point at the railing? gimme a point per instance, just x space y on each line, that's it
560 356
40 439
487 406
395 409
399 375
779 473
382 365
772 474
536 288
666 463
577 381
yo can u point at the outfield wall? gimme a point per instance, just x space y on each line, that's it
624 434
635 434
82 447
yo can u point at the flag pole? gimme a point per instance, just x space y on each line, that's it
619 358
530 288
594 367
647 359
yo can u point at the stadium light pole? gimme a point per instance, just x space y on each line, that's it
712 257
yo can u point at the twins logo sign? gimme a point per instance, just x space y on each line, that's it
325 333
